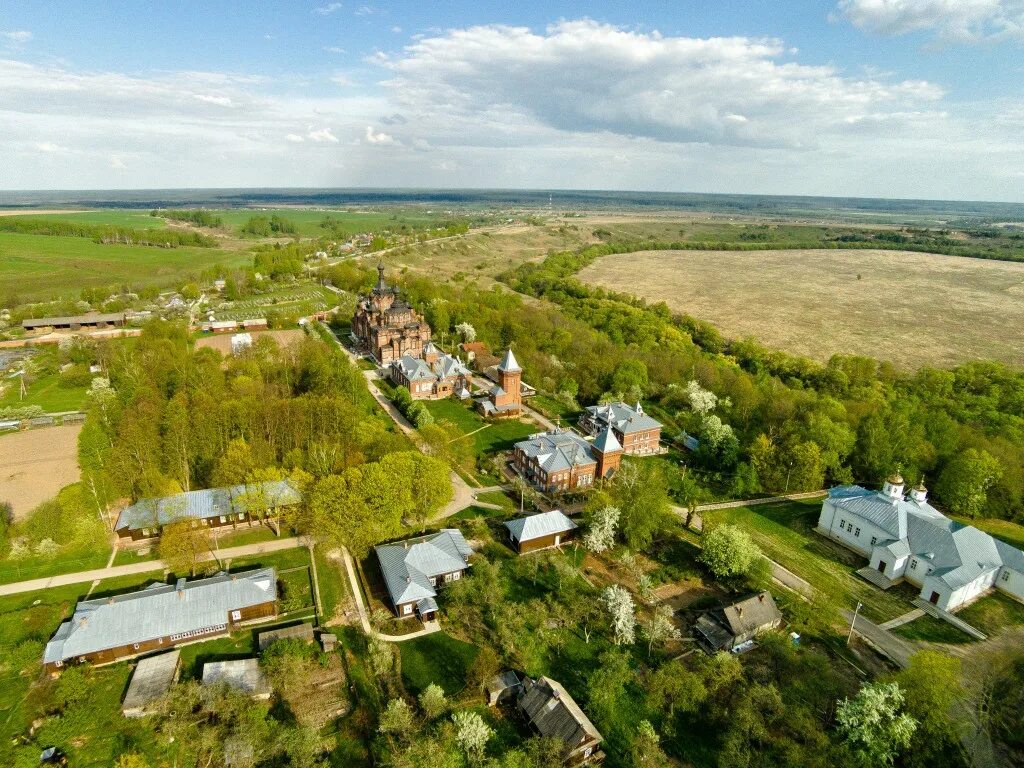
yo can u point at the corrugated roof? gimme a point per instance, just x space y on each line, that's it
558 450
409 565
157 611
207 503
751 614
152 678
606 442
555 714
540 525
40 322
413 368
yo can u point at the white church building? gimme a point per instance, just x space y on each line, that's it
908 539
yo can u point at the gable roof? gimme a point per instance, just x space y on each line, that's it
447 366
207 503
626 419
159 610
554 713
751 614
558 450
409 565
413 368
540 525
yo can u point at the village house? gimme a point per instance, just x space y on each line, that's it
435 376
637 433
724 629
560 460
540 531
211 507
504 399
909 540
415 569
553 714
161 616
386 325
479 355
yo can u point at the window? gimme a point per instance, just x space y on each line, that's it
842 524
1005 576
236 615
223 518
913 563
857 533
433 581
135 646
406 609
874 540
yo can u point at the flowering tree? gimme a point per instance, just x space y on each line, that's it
433 701
466 331
472 734
702 401
619 603
396 718
660 629
601 536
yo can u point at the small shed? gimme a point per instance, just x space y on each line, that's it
243 675
152 678
540 531
302 632
723 629
503 687
328 641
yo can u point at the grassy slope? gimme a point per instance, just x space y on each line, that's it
47 393
38 267
784 533
489 437
438 659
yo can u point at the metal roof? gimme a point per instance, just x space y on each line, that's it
413 368
152 678
41 322
558 450
540 525
509 364
242 675
626 419
409 565
159 610
554 713
207 503
606 442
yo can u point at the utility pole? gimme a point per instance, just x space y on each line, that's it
850 636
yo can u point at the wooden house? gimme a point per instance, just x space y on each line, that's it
540 531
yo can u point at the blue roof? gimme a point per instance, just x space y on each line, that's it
207 503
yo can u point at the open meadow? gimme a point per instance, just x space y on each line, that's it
906 307
37 463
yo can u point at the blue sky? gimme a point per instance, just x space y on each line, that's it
892 98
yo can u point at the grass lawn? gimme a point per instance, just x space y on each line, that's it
488 436
931 630
500 498
436 658
48 394
1011 533
553 408
471 512
333 585
784 532
993 613
242 536
84 559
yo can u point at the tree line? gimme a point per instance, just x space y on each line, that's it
196 216
107 234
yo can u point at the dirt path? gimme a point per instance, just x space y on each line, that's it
364 619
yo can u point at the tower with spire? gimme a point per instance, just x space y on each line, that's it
505 398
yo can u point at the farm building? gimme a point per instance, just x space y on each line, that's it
540 531
503 687
725 628
242 675
152 678
505 398
553 713
909 540
75 322
212 507
302 632
637 433
559 460
413 569
161 616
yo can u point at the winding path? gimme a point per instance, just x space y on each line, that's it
364 618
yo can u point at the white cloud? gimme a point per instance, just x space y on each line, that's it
327 10
294 138
959 21
220 101
333 49
50 148
117 163
323 135
17 36
396 30
340 78
379 137
365 10
582 76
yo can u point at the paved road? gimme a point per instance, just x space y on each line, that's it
884 641
147 566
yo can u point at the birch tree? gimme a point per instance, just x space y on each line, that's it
619 603
603 525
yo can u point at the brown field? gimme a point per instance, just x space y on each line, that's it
37 463
222 341
909 308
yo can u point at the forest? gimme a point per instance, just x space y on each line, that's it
106 233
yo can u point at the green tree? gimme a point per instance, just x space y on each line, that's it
432 701
183 546
965 481
396 719
932 685
873 725
641 494
340 514
728 551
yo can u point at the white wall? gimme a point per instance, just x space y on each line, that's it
1014 585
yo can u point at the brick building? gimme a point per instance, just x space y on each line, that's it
637 433
559 460
386 325
435 376
505 398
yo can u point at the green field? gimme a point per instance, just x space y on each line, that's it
47 393
436 658
115 217
37 267
349 222
784 532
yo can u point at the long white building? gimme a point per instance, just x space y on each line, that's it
908 539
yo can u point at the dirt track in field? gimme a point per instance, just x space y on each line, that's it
37 463
909 308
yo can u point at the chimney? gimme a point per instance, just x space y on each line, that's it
739 611
408 579
760 598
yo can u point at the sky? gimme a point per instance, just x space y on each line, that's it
869 98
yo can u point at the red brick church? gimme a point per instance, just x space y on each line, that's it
386 325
